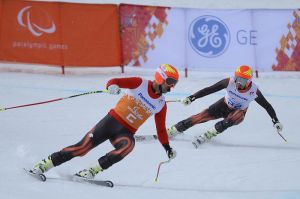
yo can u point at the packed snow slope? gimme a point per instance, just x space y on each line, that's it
245 162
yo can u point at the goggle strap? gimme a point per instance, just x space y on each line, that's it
161 72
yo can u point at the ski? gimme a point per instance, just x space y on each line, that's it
40 177
105 183
74 178
152 138
197 142
43 178
145 138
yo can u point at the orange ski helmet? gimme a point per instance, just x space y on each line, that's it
243 75
166 73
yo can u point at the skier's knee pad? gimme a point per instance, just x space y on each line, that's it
184 125
223 125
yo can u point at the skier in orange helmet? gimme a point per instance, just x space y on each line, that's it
240 91
142 99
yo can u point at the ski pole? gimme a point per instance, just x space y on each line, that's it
281 135
177 100
158 169
53 100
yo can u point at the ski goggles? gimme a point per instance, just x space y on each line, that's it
168 80
242 81
171 81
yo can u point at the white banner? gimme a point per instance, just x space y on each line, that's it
221 40
272 26
170 47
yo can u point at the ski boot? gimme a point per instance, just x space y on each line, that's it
89 173
204 137
42 166
172 131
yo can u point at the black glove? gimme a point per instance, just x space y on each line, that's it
170 152
274 120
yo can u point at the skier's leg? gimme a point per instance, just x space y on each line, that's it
215 111
121 139
81 148
219 110
189 122
64 155
234 118
124 144
93 138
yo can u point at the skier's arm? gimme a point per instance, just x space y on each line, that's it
261 100
130 82
212 89
160 122
206 91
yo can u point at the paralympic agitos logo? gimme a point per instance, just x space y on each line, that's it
37 21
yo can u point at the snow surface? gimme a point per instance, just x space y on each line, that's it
245 162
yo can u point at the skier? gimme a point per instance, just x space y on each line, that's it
240 91
142 99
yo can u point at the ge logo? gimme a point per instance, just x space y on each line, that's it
209 36
36 21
